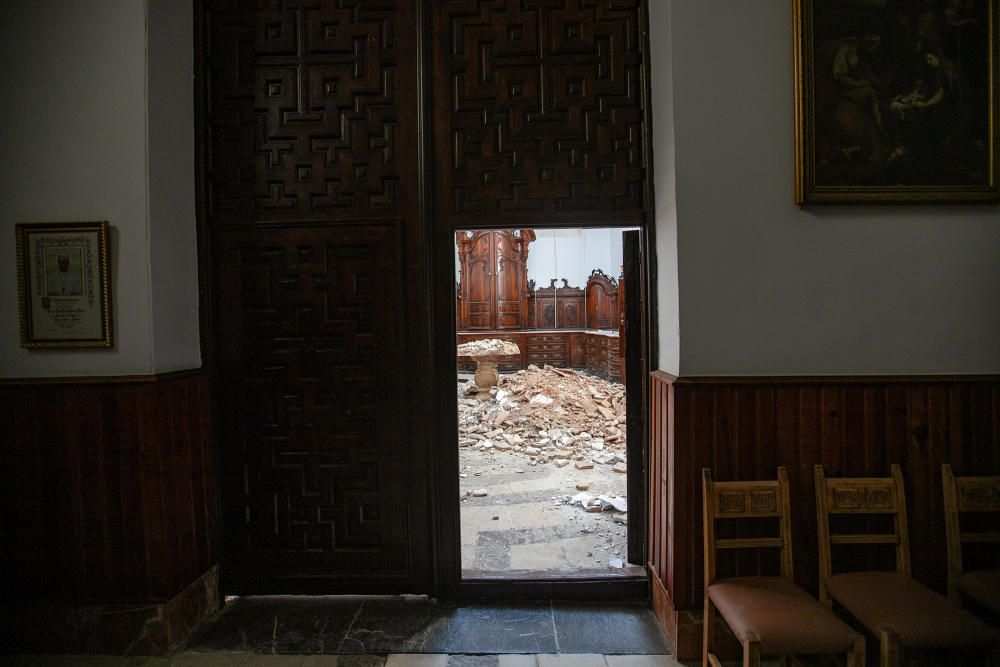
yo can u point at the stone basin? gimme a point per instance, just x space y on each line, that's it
487 353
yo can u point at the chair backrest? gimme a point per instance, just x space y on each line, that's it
746 500
961 495
860 495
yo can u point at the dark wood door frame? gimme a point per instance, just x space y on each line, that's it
442 225
634 336
449 581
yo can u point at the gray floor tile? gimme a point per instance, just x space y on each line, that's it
473 661
608 630
415 660
210 659
360 661
571 660
257 660
641 661
517 661
323 661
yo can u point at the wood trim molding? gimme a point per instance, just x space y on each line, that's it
663 376
102 379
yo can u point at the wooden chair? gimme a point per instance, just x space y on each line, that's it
768 615
902 613
970 495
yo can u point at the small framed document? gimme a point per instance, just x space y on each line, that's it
64 286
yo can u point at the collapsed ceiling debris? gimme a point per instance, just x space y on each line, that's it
548 415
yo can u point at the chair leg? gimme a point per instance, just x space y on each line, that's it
751 653
783 661
892 652
708 632
856 657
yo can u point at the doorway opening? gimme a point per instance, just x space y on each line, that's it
547 472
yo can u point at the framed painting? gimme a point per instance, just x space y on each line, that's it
64 287
896 101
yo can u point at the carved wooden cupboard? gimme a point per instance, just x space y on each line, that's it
602 301
493 279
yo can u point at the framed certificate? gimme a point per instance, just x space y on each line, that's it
64 287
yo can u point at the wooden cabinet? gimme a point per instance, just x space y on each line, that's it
546 349
493 285
558 307
577 349
602 301
603 358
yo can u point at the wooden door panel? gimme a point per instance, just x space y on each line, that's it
571 312
304 118
539 111
311 397
481 290
510 280
311 194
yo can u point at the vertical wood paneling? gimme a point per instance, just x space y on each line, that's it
111 489
744 428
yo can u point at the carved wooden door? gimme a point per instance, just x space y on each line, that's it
318 314
511 281
479 271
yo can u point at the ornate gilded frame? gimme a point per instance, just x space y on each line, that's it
86 307
809 191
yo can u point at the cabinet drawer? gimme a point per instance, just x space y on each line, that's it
545 338
545 347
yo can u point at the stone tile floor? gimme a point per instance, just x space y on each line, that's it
356 626
245 659
519 525
296 631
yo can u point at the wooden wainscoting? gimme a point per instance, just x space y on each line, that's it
743 428
109 488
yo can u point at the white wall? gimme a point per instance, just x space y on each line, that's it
173 239
74 133
573 254
769 288
664 186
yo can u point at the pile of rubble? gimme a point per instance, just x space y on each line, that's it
548 415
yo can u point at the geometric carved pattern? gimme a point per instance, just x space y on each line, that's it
979 495
763 501
312 186
857 497
303 117
878 499
846 499
310 372
541 107
731 503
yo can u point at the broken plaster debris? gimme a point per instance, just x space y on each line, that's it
562 437
547 414
489 346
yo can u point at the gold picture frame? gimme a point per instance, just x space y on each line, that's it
64 285
896 102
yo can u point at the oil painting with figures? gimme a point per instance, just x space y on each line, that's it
896 101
